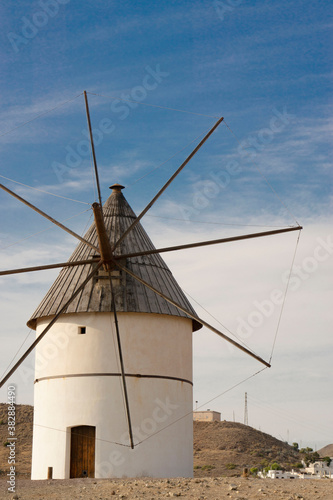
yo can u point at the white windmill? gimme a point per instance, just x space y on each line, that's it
117 401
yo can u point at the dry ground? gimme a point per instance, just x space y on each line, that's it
158 489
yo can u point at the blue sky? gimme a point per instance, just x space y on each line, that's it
267 68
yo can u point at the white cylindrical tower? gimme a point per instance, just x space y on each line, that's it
81 423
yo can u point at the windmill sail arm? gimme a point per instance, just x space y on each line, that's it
145 210
44 332
54 221
209 242
49 266
122 368
194 317
92 147
103 240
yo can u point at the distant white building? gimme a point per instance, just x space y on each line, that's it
207 416
316 470
319 468
278 474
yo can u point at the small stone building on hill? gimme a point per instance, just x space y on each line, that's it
207 416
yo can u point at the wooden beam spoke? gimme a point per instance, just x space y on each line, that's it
196 318
122 368
145 210
92 147
44 332
103 240
207 243
54 221
49 266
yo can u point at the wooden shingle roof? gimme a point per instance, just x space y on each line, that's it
130 295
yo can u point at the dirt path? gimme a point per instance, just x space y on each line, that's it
156 489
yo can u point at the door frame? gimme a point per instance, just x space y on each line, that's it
85 451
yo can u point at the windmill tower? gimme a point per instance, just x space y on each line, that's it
117 400
85 379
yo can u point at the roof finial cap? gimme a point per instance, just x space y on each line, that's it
116 188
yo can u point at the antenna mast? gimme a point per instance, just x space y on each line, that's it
246 417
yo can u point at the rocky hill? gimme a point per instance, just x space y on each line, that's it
225 448
23 432
327 451
220 448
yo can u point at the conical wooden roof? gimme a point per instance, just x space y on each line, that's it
130 295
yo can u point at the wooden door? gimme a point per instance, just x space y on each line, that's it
82 451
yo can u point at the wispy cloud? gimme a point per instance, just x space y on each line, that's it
16 120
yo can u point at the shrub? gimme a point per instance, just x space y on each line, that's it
207 467
254 471
230 466
306 450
